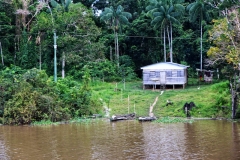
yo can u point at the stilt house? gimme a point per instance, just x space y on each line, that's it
164 73
205 75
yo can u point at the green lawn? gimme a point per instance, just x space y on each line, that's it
129 98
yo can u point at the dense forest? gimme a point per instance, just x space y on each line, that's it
72 40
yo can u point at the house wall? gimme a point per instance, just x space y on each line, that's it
208 76
158 77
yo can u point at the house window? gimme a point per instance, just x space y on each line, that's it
180 73
169 73
152 73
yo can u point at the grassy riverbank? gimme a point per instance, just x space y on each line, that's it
129 98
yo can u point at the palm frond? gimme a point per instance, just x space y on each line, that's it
174 20
170 9
67 3
190 6
127 14
162 9
157 20
155 14
54 3
194 14
180 8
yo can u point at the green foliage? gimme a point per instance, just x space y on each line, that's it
222 98
9 79
115 18
32 100
78 97
77 42
103 70
20 109
42 123
37 78
164 15
198 9
27 41
173 120
34 97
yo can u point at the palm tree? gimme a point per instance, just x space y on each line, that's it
64 3
164 14
115 18
199 9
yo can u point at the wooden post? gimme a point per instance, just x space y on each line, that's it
1 53
134 108
128 104
121 95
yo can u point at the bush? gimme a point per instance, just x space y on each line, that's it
34 97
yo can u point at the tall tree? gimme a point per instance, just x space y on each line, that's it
198 10
6 32
115 18
225 50
77 37
164 14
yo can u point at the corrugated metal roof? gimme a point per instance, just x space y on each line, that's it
165 65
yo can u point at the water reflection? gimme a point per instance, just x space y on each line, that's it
212 140
104 140
164 141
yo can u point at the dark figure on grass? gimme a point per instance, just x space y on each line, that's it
187 107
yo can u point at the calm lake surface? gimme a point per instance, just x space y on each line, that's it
122 140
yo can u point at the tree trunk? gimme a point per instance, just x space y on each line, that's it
111 59
117 50
164 45
115 44
201 47
234 101
169 43
40 57
234 97
15 52
1 53
63 65
171 54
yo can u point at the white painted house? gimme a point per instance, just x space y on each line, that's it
164 73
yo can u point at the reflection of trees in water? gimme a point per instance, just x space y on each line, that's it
205 139
3 146
118 140
212 139
164 141
236 139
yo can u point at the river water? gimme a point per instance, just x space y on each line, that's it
122 140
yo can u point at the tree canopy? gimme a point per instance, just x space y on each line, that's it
89 32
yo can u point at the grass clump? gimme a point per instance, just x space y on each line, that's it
81 120
44 123
173 120
74 120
